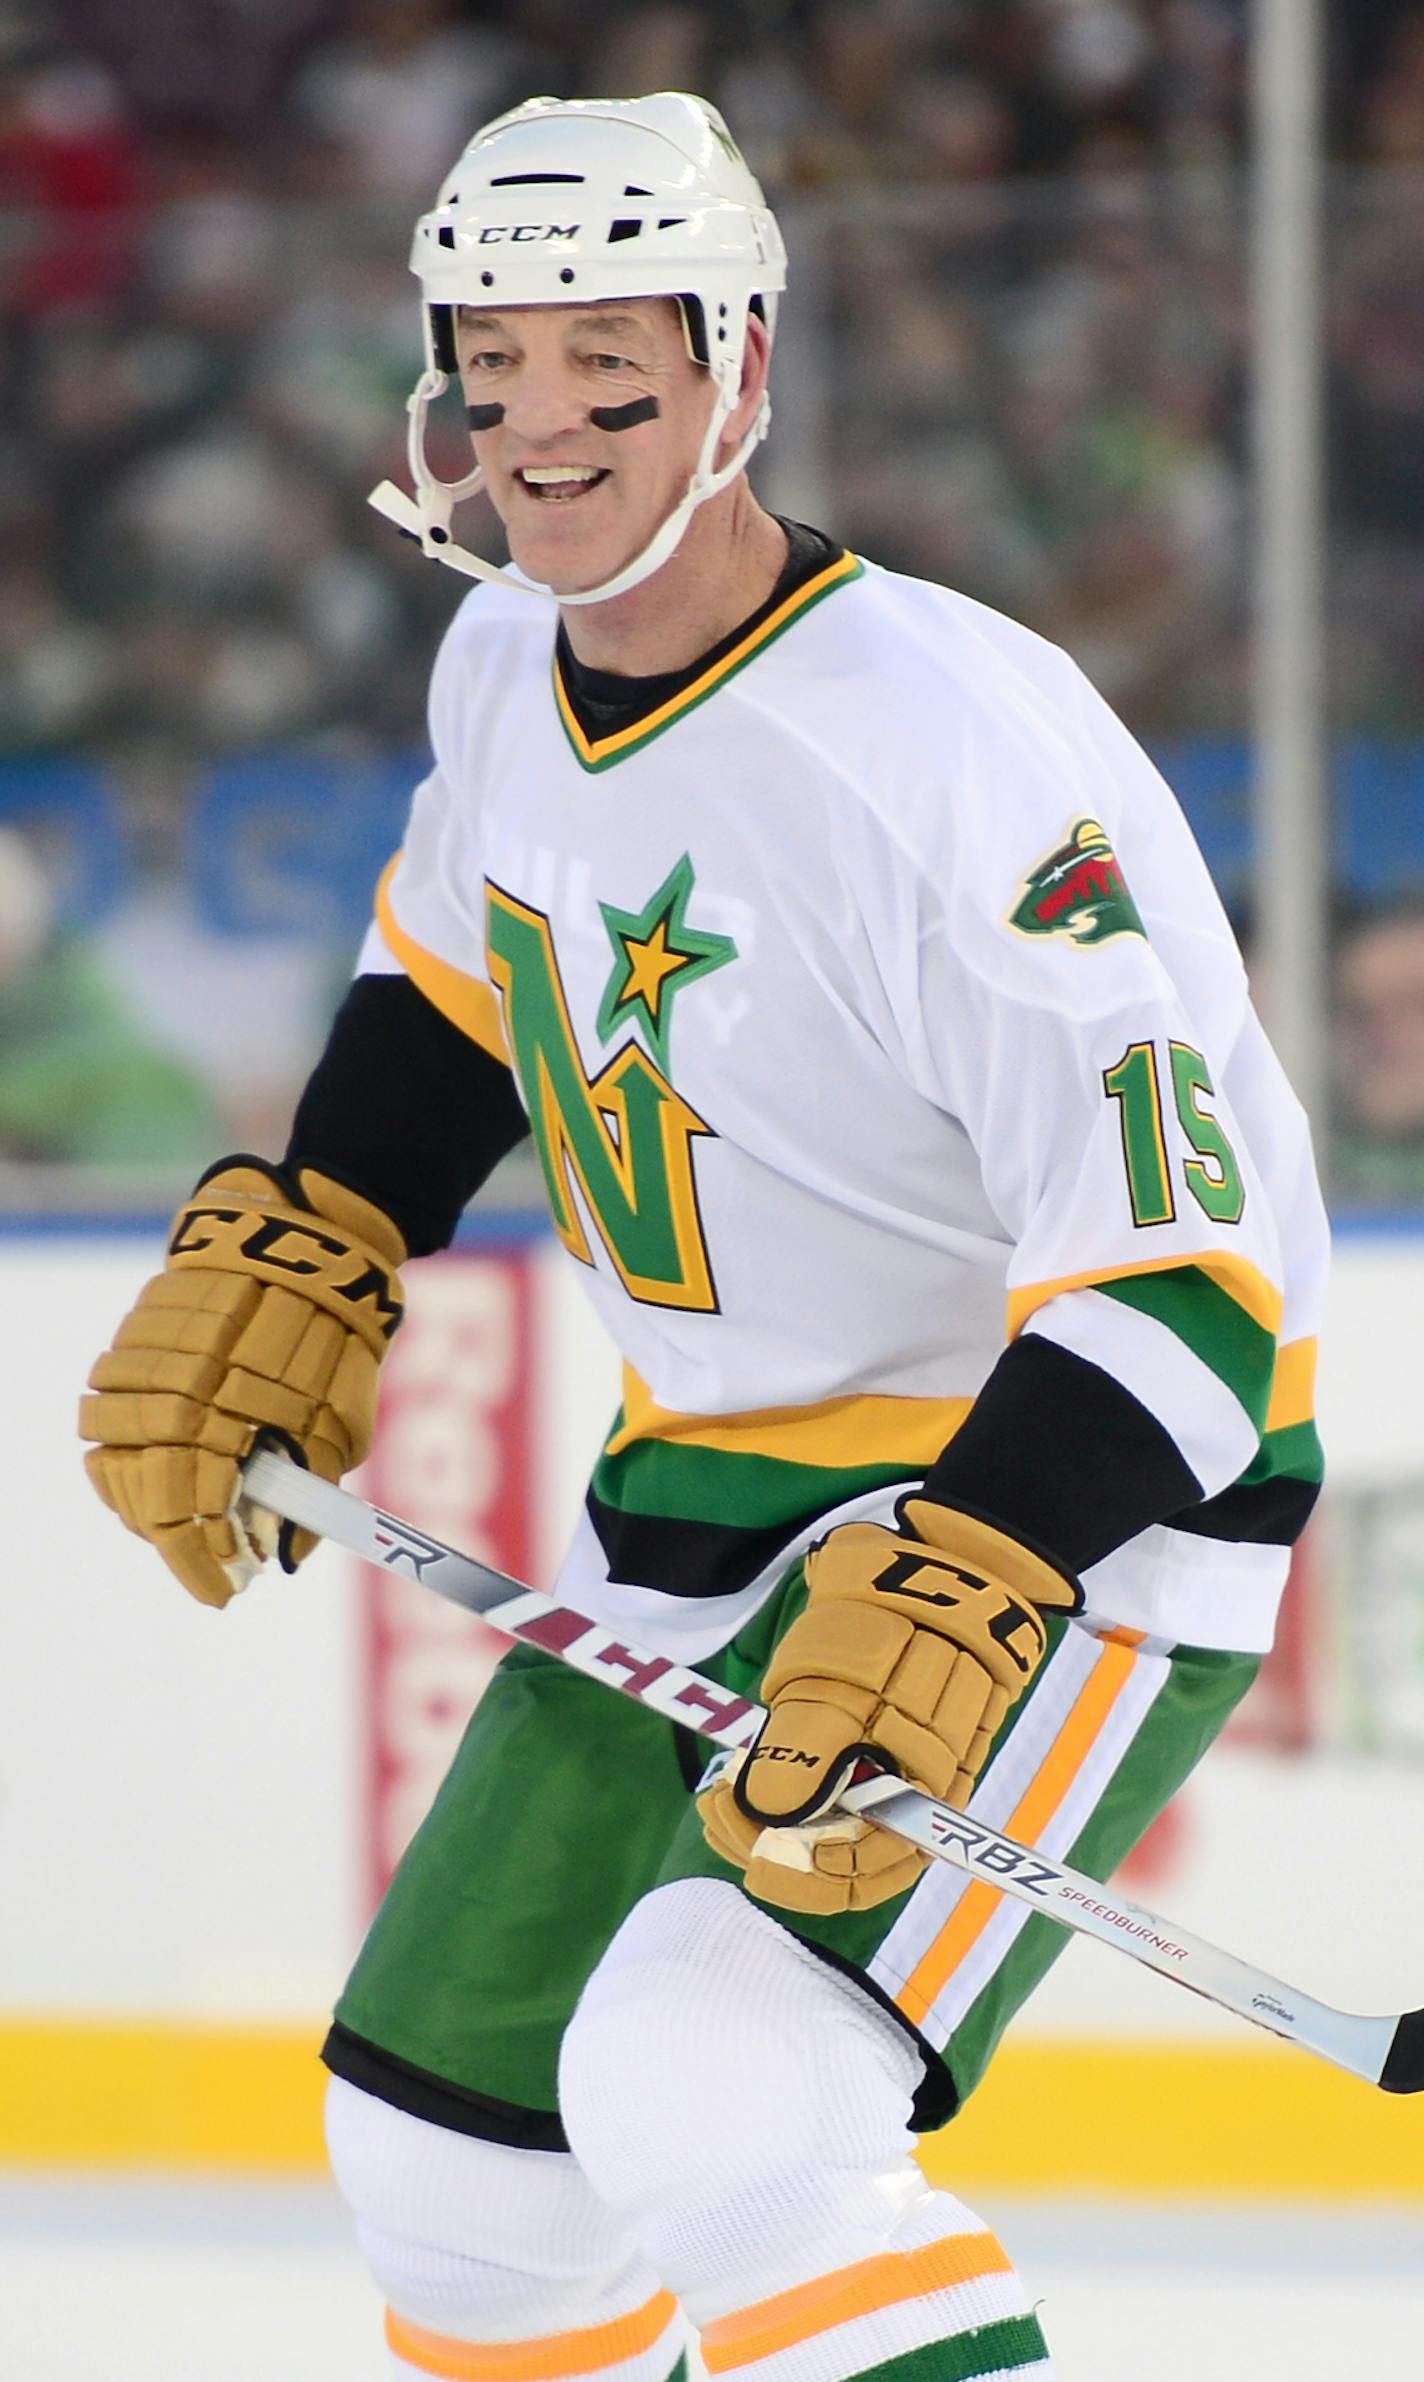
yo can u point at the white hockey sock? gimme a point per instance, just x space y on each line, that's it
745 2108
498 2265
943 2304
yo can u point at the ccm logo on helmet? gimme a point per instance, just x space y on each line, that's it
527 231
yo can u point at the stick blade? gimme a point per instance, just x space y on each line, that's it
1403 2070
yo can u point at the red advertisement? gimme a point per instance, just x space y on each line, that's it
453 1454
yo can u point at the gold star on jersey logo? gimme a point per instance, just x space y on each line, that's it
656 953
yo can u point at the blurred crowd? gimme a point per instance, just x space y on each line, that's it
1014 357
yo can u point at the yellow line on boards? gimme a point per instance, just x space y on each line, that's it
128 2094
1178 2119
1159 2120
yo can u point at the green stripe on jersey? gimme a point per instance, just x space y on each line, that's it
675 1480
1012 2346
1209 1321
1294 1453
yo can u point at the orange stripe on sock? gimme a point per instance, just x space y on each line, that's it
794 2316
560 2353
1065 1758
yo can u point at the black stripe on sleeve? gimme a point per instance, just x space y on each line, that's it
1268 1513
682 1557
1061 1454
406 1109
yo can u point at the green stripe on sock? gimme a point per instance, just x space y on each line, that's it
674 1481
1209 1321
1003 2348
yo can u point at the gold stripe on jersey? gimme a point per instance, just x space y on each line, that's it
1241 1280
1293 1386
597 752
1051 1781
467 1003
837 1434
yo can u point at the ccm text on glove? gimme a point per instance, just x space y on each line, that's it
278 1300
913 1647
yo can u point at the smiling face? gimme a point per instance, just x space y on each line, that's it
579 494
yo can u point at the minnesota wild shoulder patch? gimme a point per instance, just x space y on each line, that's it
1078 890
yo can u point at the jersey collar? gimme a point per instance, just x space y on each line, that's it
601 752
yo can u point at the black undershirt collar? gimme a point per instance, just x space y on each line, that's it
604 702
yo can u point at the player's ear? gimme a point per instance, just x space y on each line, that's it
756 361
756 364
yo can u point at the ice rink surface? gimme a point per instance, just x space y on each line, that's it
196 2282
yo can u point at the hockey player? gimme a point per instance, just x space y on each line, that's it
899 1099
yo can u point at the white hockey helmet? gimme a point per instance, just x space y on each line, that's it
586 199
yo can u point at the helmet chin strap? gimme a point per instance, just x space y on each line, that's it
427 516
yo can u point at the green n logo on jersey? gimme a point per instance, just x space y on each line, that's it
624 1135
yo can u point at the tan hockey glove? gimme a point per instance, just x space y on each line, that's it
912 1648
277 1303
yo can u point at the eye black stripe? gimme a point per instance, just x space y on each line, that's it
625 417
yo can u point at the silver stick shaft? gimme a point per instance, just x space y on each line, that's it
1388 2051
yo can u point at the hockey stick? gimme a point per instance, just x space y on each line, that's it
1384 2051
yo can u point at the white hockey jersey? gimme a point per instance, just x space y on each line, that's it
871 1004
